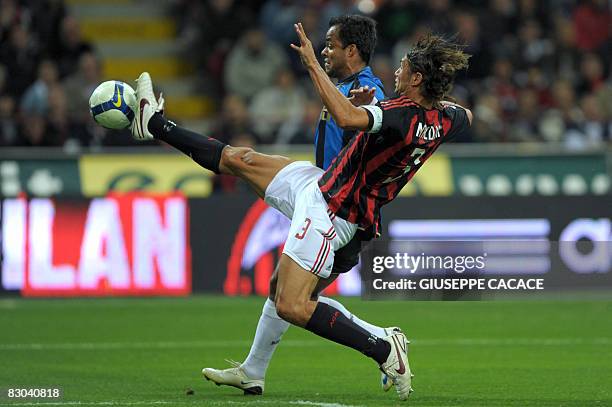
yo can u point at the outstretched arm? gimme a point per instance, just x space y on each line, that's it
344 113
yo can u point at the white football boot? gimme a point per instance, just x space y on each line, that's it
146 106
385 382
396 367
235 376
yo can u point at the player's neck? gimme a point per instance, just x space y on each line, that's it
351 69
419 99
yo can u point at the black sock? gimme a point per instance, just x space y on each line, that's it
328 322
205 151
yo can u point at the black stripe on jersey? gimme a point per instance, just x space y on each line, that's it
320 154
347 135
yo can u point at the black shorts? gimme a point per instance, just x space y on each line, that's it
347 257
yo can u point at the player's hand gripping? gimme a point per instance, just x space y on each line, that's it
307 54
362 96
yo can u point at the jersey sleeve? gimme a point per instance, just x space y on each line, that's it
459 121
391 117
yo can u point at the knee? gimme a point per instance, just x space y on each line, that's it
291 311
232 158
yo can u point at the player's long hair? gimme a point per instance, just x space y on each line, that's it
437 59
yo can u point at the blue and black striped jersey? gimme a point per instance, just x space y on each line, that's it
329 138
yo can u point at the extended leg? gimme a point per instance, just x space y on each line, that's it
256 168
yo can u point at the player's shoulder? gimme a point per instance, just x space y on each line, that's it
455 112
399 102
367 78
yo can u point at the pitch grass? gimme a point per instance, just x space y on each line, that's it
149 351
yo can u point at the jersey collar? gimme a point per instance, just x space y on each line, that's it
351 78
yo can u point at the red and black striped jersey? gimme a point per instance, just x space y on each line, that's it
371 170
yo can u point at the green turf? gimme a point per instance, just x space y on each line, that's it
148 351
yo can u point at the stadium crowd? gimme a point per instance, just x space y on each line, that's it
540 70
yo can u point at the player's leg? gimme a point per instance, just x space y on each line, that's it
256 168
306 258
294 304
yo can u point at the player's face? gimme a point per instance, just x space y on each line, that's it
334 56
405 77
400 76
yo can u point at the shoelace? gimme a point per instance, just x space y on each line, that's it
233 363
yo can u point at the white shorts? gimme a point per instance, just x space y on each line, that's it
315 232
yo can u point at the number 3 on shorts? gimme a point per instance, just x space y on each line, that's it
301 235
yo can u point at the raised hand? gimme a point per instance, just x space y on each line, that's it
362 96
305 49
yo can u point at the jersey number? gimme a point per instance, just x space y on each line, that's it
416 160
301 235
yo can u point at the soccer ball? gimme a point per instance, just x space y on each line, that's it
112 104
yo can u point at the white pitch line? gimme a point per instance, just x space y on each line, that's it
300 343
315 403
91 403
160 402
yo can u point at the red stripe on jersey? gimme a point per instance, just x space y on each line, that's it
344 191
410 133
446 125
354 211
381 158
396 104
345 158
400 99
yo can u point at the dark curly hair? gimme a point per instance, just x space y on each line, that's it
358 30
437 59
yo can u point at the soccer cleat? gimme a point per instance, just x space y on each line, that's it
236 377
385 383
146 106
396 366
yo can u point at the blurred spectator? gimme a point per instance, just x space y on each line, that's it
524 126
70 47
591 74
310 118
79 86
592 20
9 131
252 64
566 56
534 48
20 57
211 27
233 119
592 130
468 29
36 97
57 118
35 132
503 87
385 70
277 18
402 46
46 23
396 19
276 111
438 16
488 124
539 71
563 116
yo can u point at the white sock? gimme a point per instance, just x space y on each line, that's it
269 331
373 329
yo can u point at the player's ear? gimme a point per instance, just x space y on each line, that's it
351 50
417 78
